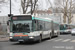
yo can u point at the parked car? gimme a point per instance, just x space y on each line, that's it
73 31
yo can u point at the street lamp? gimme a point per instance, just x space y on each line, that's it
10 7
10 15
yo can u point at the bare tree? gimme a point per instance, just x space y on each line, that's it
67 7
28 5
70 12
50 3
3 3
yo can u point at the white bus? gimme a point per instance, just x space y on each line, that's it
28 28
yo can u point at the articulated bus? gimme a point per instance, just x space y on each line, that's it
28 28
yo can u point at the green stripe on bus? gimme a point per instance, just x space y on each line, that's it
40 19
43 19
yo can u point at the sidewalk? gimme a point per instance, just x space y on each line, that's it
4 38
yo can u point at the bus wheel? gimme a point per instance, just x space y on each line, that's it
21 42
57 35
40 40
50 37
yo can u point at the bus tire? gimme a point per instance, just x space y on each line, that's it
40 39
50 36
21 42
57 34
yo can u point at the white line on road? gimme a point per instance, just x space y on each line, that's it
50 39
64 47
58 40
72 41
66 40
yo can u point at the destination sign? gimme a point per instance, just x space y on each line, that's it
22 17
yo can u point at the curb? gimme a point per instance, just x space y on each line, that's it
4 39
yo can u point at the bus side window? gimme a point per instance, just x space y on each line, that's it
40 27
35 21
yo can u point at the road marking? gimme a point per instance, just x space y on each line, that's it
50 39
66 40
72 41
58 47
64 47
58 40
69 47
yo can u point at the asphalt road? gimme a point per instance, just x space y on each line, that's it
63 42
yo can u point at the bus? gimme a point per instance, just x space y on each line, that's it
66 28
25 28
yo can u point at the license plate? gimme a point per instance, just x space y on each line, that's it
20 40
18 33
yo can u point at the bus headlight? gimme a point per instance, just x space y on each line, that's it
10 37
11 34
31 37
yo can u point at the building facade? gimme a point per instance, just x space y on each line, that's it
3 21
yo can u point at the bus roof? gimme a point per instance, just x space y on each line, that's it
44 19
23 15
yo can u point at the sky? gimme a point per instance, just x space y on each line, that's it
43 5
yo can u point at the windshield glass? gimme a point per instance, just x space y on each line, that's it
62 27
22 26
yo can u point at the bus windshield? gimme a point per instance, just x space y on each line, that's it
62 27
22 26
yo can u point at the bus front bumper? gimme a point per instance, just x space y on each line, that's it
25 38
